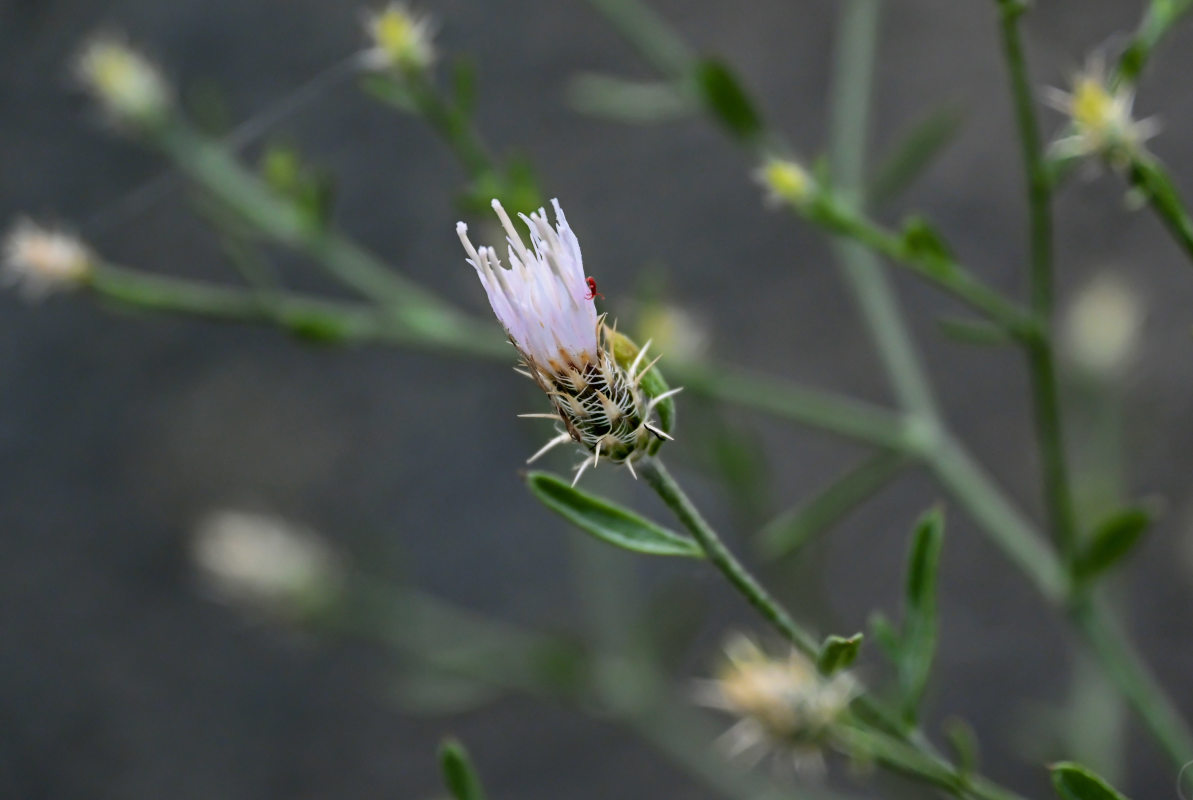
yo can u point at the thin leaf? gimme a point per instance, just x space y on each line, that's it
924 243
725 98
631 102
887 636
915 152
607 521
1075 782
974 332
920 625
837 653
458 772
1113 539
964 741
792 529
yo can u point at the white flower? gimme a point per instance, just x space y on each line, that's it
264 563
784 705
400 38
547 307
129 88
42 260
1100 113
1102 325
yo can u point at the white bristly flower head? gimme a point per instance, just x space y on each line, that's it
128 87
786 182
400 39
42 260
784 705
1101 121
548 309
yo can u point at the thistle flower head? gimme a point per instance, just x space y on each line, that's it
1100 113
786 181
784 705
548 309
264 563
129 88
41 259
400 38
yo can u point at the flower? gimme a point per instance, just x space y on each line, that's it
785 181
400 39
1100 113
784 704
1102 325
42 260
548 309
264 563
127 85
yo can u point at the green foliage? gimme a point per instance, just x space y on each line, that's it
1075 782
633 102
607 521
838 653
923 243
915 151
727 101
309 189
974 332
458 772
917 647
1111 541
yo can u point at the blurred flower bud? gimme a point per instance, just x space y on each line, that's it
1101 329
264 564
400 39
785 181
128 87
42 260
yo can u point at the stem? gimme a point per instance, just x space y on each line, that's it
1041 364
1148 176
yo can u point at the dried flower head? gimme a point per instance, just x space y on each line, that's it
1102 325
264 563
784 705
548 309
1100 112
129 88
400 39
786 182
42 260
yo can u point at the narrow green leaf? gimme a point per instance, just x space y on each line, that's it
925 244
725 98
631 102
964 741
838 653
886 635
1075 782
792 529
1112 540
458 772
387 90
464 85
609 522
915 152
974 332
920 625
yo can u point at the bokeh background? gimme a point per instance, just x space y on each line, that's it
121 678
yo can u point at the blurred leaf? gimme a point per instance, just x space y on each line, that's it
974 332
464 86
725 98
391 91
792 529
838 653
886 635
458 772
609 522
918 647
311 190
1075 782
632 102
923 243
1111 541
916 150
964 741
438 694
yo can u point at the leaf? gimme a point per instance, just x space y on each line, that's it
837 653
458 773
464 85
920 623
1112 541
886 635
389 91
964 741
725 98
609 522
923 243
792 529
915 151
974 332
631 102
1075 782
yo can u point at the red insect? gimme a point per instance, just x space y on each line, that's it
592 290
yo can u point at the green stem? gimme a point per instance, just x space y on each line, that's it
452 125
1161 17
1149 177
1041 364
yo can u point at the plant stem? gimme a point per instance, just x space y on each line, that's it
1149 177
1041 363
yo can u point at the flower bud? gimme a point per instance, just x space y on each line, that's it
128 87
400 39
42 260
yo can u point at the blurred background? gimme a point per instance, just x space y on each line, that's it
121 677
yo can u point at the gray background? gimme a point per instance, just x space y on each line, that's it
119 678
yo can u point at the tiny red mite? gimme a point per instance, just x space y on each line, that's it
592 290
